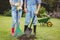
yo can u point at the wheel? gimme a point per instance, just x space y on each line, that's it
49 24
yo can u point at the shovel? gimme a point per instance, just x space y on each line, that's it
18 31
29 29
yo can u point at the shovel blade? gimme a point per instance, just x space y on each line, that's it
28 31
18 31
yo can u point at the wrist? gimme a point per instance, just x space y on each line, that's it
24 8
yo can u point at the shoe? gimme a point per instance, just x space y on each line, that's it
25 27
35 30
12 31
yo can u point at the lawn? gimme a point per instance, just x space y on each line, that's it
43 32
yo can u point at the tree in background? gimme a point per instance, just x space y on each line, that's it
4 5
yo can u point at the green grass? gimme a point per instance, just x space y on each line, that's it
43 32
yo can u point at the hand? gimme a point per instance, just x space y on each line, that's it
18 7
17 4
25 9
36 12
12 4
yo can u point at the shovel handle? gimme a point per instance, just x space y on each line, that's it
32 21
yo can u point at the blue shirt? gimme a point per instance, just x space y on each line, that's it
32 2
15 1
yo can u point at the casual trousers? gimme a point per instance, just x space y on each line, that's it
16 15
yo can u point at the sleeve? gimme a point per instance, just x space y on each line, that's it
10 0
38 1
21 2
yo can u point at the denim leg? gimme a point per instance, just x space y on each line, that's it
18 17
27 20
32 13
13 11
19 14
34 22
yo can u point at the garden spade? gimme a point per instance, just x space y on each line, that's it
18 31
29 29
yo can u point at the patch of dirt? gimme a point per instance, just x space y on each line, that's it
26 37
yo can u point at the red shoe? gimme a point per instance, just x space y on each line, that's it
12 31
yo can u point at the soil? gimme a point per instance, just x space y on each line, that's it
26 37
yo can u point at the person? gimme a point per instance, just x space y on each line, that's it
16 10
31 7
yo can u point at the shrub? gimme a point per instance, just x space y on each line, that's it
42 12
7 12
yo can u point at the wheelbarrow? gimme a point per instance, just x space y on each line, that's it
45 21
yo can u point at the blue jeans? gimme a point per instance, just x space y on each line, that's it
16 15
30 14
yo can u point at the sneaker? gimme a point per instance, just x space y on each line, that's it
12 31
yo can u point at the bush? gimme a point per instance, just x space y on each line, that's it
7 13
42 12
